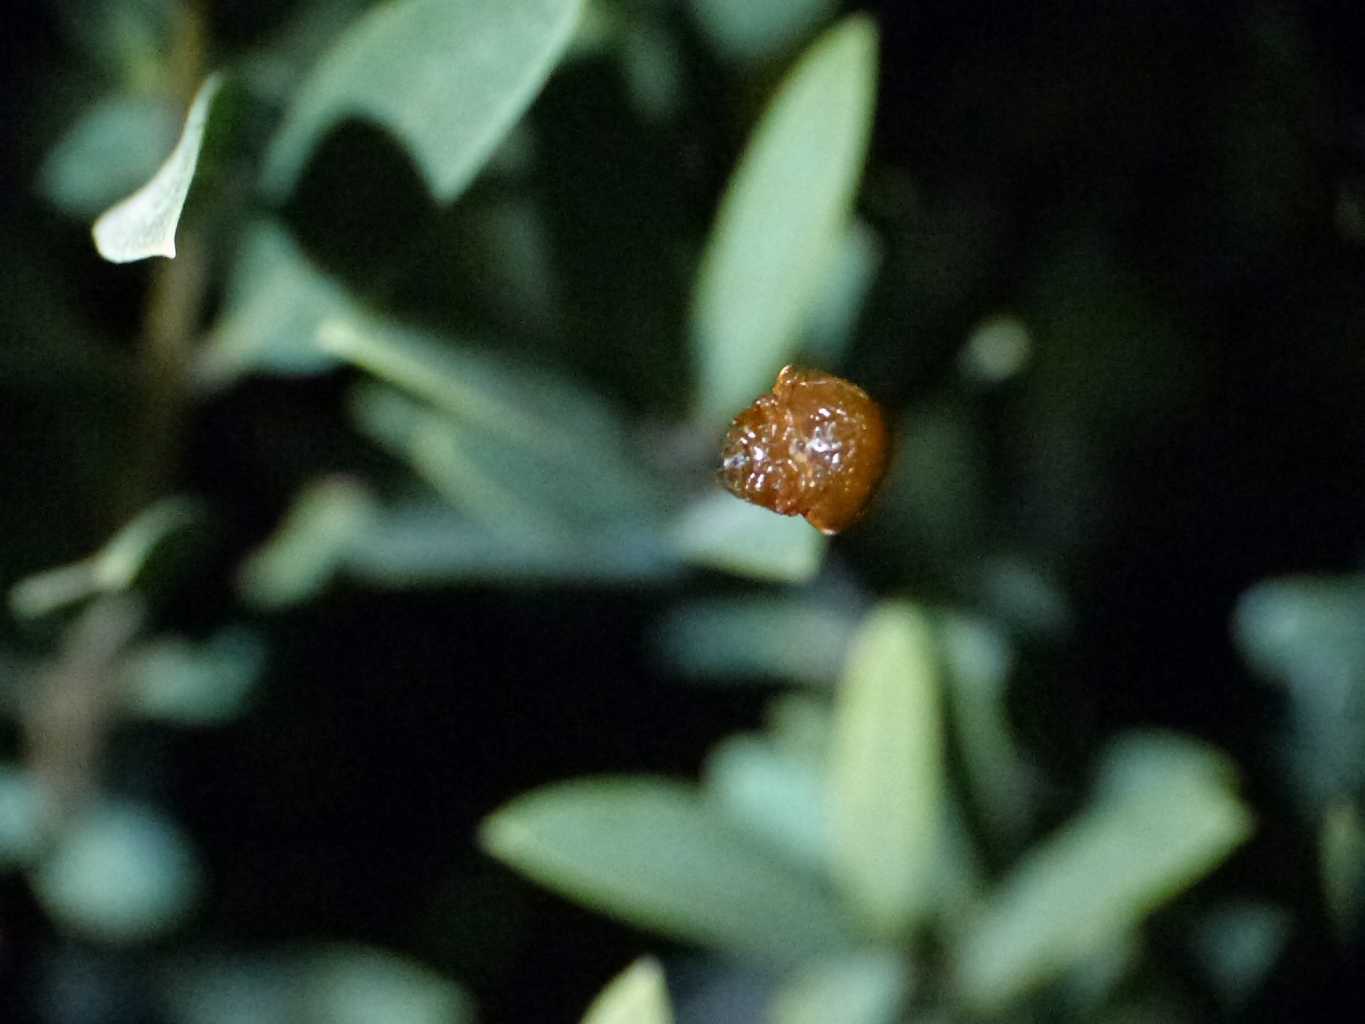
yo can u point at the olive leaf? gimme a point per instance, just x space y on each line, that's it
144 224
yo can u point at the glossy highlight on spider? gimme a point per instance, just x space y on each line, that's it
815 446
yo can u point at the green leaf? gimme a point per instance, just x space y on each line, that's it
173 680
638 995
772 794
758 28
507 484
120 873
425 544
868 987
1004 784
767 638
331 984
833 318
112 148
506 410
275 304
1238 946
116 567
1306 630
1308 633
359 985
722 532
300 557
144 224
1163 816
654 854
1341 851
886 770
23 816
446 79
784 214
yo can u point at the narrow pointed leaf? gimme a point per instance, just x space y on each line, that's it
638 995
446 79
144 224
655 854
886 770
1164 815
783 216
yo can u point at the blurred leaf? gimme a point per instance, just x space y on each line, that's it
333 984
417 543
1238 946
447 80
774 795
120 873
1003 783
1304 629
22 814
758 28
1163 816
298 560
638 995
769 638
276 301
801 726
1342 864
112 148
1308 633
960 872
721 532
781 220
356 985
833 318
887 768
144 224
508 485
652 853
998 348
506 411
856 988
112 569
1025 596
174 680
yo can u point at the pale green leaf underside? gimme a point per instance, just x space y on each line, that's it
867 987
886 769
653 853
721 532
637 995
782 218
1163 817
446 79
144 224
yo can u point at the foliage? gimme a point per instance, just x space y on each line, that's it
367 578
